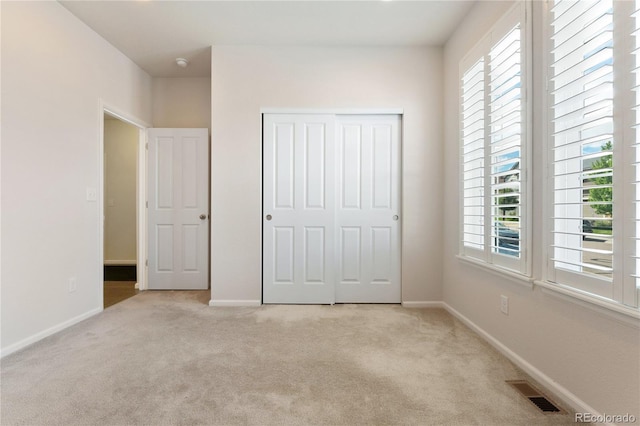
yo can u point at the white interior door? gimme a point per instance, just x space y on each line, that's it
298 209
368 209
178 220
331 209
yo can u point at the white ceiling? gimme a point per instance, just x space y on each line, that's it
154 33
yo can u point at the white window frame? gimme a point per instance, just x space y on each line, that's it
623 295
507 265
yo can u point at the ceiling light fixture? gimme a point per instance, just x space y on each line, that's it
182 62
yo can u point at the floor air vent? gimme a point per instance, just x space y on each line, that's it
536 397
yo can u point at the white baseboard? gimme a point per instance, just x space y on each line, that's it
48 332
233 303
566 397
423 304
120 262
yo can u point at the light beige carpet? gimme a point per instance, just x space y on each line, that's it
162 358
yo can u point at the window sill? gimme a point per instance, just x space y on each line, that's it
501 272
621 313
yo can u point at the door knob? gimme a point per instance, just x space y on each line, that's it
203 216
268 217
395 217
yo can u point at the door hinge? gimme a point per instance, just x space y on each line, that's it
146 262
146 204
146 145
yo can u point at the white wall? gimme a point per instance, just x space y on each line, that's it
590 357
120 182
245 79
182 102
54 71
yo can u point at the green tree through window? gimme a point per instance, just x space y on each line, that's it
603 194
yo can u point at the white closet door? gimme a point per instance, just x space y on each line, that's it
178 221
298 208
368 209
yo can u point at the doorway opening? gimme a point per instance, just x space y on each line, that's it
120 217
123 236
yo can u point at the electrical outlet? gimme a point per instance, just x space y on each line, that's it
504 304
92 194
73 284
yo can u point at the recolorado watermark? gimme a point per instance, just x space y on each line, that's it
604 418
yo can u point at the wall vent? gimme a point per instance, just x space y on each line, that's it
536 397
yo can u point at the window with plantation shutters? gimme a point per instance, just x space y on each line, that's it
632 286
582 134
506 141
590 136
493 145
473 157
